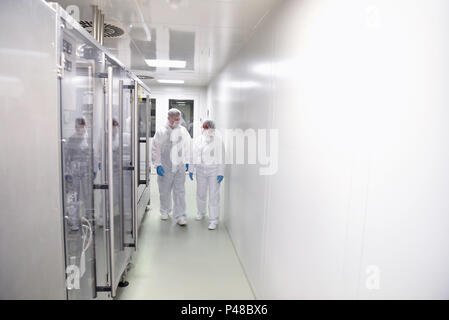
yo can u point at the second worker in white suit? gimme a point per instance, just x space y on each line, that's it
208 163
170 153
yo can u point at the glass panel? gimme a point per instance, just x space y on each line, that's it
127 174
142 118
100 196
84 123
182 47
120 252
77 91
153 118
142 122
101 121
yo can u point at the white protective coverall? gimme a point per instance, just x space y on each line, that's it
208 162
78 177
165 140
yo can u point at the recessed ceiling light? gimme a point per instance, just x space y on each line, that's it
171 81
243 84
165 63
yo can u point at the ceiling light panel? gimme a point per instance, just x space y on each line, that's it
180 64
171 81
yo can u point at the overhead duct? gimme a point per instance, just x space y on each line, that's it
97 25
110 30
144 77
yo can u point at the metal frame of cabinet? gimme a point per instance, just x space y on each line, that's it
49 224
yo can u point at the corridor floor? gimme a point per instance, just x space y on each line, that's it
191 262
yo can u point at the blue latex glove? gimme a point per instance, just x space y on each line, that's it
187 167
95 174
99 165
191 175
160 171
68 178
220 179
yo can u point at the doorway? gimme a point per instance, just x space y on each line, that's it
186 108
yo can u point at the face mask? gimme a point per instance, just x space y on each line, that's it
81 131
208 132
176 124
115 130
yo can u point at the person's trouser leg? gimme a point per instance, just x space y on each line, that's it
73 202
214 199
201 194
86 197
165 184
179 195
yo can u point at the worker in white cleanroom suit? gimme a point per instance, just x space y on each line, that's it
78 174
208 163
170 153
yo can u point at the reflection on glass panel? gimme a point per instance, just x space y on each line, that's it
119 253
77 172
77 88
186 108
153 117
142 105
143 119
182 47
141 44
116 176
127 174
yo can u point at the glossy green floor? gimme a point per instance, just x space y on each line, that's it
189 262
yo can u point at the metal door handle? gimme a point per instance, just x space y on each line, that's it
122 193
147 142
111 185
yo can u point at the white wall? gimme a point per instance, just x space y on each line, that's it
358 91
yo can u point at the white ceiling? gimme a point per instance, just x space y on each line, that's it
216 29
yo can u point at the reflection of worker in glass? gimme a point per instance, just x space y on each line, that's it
142 129
115 135
142 119
77 171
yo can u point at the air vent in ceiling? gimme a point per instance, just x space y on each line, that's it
144 77
110 31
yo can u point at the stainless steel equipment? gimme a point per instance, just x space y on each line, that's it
69 181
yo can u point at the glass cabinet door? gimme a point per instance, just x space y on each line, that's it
118 143
96 131
79 60
100 151
144 123
127 141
